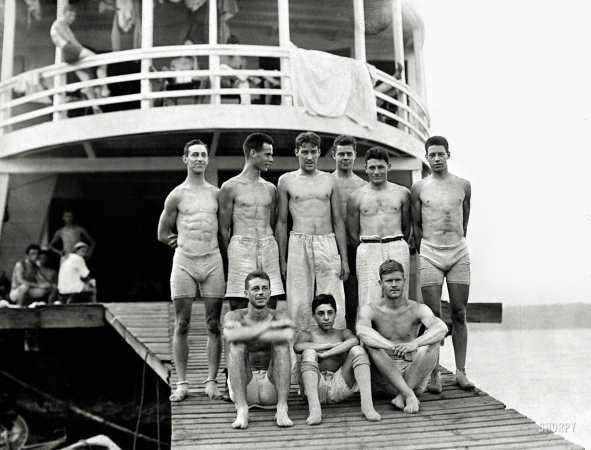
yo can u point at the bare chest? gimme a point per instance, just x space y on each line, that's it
387 203
442 196
252 196
309 190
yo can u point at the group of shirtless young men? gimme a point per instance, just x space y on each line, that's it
233 229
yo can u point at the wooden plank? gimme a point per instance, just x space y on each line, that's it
476 312
53 317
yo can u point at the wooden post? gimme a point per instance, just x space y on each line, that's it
285 42
4 178
417 41
147 43
359 30
59 80
214 60
399 51
8 56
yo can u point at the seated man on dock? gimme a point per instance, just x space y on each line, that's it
259 360
334 366
402 360
74 283
26 285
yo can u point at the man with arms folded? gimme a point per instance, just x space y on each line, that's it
334 366
344 152
401 359
440 213
197 268
259 360
317 261
248 214
379 223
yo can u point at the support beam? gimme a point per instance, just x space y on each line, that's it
8 55
147 43
89 150
417 41
359 30
398 33
285 42
214 60
416 175
4 178
59 80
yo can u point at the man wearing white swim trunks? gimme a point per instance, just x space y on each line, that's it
334 365
378 217
259 357
248 215
197 268
440 212
317 261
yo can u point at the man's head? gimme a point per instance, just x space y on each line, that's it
188 42
70 14
392 279
377 164
344 152
196 156
308 150
437 153
257 287
258 149
43 258
324 310
233 40
32 252
81 248
68 217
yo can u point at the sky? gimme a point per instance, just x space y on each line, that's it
509 86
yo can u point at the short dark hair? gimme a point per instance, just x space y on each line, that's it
323 299
256 274
390 266
255 141
377 153
190 144
436 140
32 247
307 137
344 139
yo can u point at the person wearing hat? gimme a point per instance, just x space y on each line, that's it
74 283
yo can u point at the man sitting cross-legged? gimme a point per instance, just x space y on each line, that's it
259 361
334 366
401 359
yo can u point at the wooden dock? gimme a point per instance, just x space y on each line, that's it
453 419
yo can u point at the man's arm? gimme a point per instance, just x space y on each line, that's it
19 277
280 330
367 334
168 220
417 220
435 331
304 342
350 340
466 206
225 212
90 240
273 206
51 246
339 227
281 227
406 219
353 218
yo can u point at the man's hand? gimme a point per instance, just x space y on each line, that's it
172 240
344 269
404 348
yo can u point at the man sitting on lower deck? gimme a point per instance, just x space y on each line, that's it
401 359
259 361
334 366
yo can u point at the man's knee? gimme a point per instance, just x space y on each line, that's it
458 315
357 350
182 326
360 357
309 355
237 348
213 325
308 365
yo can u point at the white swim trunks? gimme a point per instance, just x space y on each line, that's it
189 273
451 262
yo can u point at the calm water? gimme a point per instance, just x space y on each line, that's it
543 373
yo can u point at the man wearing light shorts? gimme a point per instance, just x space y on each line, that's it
334 365
440 213
378 219
197 268
247 217
259 357
317 261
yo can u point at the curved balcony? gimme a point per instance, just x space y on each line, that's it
401 119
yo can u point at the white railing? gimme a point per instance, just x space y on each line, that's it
51 103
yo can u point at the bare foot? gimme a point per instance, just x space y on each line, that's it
180 393
371 414
398 401
412 405
282 418
315 416
212 391
241 419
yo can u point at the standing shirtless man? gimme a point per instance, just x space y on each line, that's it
379 223
317 262
248 214
440 212
70 234
197 268
344 152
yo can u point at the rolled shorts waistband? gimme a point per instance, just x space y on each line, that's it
379 240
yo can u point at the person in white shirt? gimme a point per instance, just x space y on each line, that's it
74 283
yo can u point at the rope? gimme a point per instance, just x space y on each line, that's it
157 408
79 410
139 416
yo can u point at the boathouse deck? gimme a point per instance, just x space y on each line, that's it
453 419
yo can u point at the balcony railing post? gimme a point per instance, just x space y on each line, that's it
359 30
59 80
399 52
214 59
147 43
7 56
285 42
4 178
